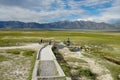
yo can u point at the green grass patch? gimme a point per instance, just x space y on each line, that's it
16 42
3 58
66 68
14 51
71 59
86 73
61 35
28 53
114 69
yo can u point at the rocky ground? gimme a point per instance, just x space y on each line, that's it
101 72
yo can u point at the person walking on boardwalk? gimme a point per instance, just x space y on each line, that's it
41 41
50 42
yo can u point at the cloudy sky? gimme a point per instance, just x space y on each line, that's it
43 11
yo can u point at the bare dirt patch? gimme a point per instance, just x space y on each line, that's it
17 66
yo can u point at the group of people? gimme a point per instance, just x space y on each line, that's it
50 42
42 41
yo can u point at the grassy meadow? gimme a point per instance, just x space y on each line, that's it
99 45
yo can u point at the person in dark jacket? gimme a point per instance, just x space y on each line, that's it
68 42
50 42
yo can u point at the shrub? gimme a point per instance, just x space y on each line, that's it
28 53
15 51
87 73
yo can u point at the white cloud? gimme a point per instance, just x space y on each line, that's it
42 10
88 3
28 4
21 14
95 2
107 14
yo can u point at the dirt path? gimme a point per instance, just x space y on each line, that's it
102 72
34 46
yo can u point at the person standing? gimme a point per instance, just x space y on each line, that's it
41 41
50 42
68 42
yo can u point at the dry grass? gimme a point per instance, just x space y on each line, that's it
15 66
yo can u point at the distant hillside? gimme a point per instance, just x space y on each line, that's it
59 25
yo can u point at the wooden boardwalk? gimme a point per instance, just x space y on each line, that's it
47 67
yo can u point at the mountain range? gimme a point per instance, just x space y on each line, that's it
89 25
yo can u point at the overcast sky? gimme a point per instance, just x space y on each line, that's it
43 11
